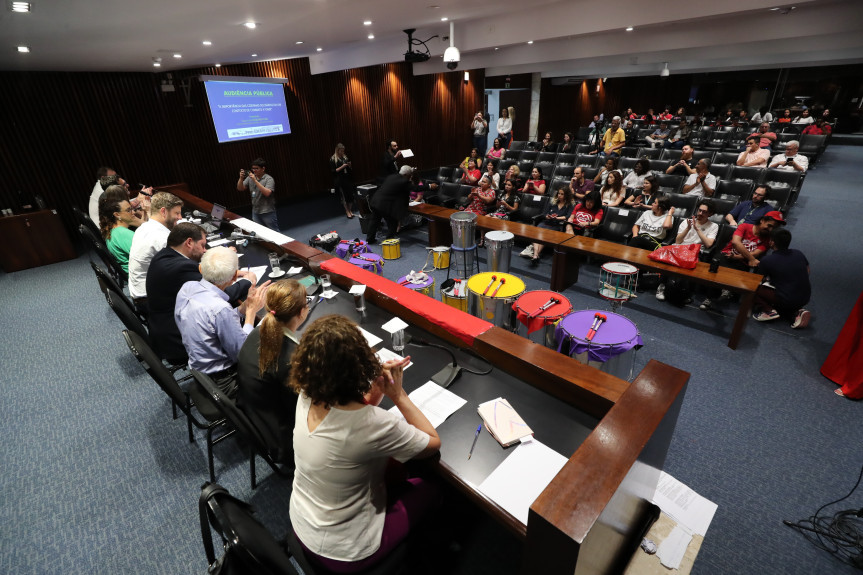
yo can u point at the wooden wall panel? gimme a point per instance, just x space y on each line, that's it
58 128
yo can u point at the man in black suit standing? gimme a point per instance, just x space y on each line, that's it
390 202
171 267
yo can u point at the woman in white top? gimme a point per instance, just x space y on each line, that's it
650 229
504 127
491 175
804 118
342 511
634 180
612 192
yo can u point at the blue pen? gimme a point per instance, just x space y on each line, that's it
475 435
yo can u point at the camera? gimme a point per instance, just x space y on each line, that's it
451 57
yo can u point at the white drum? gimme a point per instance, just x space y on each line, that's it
499 245
617 282
463 225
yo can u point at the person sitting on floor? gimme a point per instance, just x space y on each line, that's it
209 326
586 216
652 226
750 211
786 288
264 366
346 513
555 218
791 160
702 183
753 155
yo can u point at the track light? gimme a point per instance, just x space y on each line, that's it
665 71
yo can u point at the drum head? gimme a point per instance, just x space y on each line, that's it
511 287
619 268
463 217
499 236
441 249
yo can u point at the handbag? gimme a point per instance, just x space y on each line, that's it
681 255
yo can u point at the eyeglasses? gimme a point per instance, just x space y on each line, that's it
703 211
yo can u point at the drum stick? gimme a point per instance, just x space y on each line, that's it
493 279
455 288
497 289
543 307
602 318
593 326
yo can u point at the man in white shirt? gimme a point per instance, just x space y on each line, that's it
791 161
702 182
152 236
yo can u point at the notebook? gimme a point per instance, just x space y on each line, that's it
503 422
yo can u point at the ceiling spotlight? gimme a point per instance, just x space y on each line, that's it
444 19
218 65
665 71
629 28
298 42
319 50
23 49
496 48
157 64
371 36
530 41
367 23
250 25
20 6
207 43
254 55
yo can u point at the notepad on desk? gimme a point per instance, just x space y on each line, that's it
503 422
435 402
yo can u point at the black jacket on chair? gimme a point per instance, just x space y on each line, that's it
168 271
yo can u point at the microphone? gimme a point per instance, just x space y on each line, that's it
450 372
200 214
238 235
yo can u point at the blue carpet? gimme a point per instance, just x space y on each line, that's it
97 477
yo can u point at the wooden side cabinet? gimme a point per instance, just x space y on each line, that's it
33 239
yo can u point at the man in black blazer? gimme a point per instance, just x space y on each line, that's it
390 202
169 269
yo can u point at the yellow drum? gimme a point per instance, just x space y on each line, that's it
392 249
456 296
491 295
440 256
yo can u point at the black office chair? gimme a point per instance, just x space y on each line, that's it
649 153
107 282
563 172
755 175
446 195
626 164
565 160
717 140
444 173
723 207
457 173
584 149
617 226
195 397
245 429
249 547
546 158
780 178
669 183
516 146
587 160
83 218
532 206
659 166
780 196
721 171
740 189
683 204
582 135
95 243
525 167
703 155
726 158
672 155
503 165
628 152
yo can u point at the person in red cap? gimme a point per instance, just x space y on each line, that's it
748 244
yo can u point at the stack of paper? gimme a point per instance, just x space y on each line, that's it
435 402
262 232
503 422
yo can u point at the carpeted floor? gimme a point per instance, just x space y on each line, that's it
97 478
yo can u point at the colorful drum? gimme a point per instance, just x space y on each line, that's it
499 246
537 313
613 347
440 257
617 282
391 249
370 262
462 225
456 296
491 295
424 287
347 247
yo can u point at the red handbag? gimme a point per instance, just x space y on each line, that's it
681 255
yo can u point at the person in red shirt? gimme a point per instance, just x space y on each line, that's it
819 128
766 138
472 174
786 117
748 244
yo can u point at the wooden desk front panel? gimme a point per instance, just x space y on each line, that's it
33 239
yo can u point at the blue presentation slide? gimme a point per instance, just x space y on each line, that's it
246 110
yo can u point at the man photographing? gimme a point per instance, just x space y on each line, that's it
262 188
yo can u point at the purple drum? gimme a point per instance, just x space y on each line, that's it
611 350
345 248
369 262
425 287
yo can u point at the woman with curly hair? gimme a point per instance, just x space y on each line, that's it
343 512
264 365
115 217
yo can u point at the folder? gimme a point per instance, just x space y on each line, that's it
503 422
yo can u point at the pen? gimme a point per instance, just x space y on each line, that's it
475 435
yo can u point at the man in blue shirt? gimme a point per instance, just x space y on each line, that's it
211 329
749 212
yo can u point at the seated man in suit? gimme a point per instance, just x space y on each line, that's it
210 328
171 267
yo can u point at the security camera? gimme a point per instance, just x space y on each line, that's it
451 57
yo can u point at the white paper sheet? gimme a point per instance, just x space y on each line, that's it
262 232
407 153
518 481
217 243
294 270
357 289
435 402
673 547
683 504
371 338
385 355
259 271
394 325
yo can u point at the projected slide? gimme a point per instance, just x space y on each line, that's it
246 110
